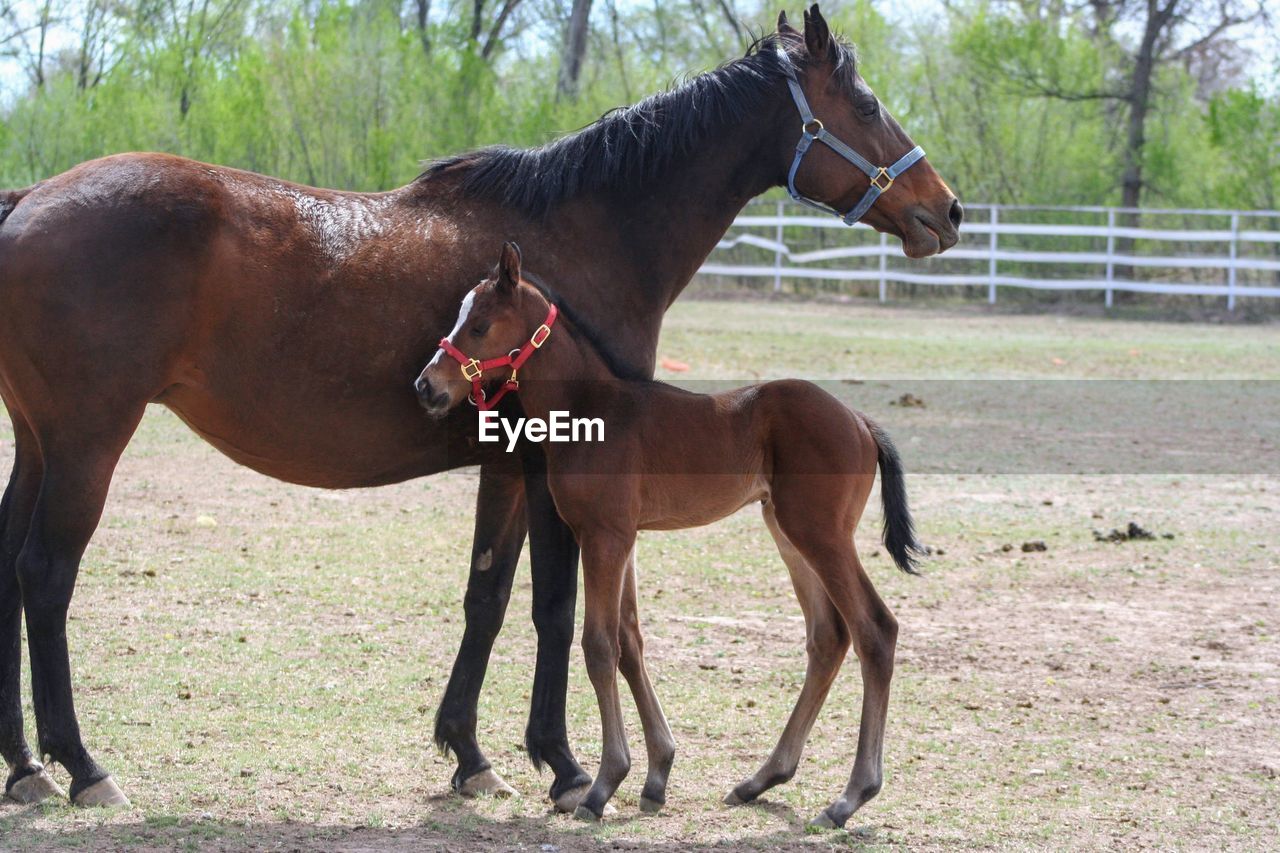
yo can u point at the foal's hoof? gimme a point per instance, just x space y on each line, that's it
824 821
105 793
585 814
34 788
486 783
732 799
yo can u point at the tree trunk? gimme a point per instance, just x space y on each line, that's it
575 48
424 9
477 21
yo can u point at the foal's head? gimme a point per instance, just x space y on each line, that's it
497 318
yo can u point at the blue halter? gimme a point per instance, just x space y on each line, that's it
812 129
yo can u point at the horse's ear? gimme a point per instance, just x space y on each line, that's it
783 25
509 266
817 35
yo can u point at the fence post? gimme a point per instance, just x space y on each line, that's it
1111 251
777 252
884 262
1231 268
991 269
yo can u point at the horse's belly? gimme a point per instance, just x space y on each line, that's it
326 448
681 501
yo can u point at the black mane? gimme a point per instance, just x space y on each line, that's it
631 145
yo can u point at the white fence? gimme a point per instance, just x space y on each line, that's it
1232 254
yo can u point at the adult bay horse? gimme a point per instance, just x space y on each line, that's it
284 325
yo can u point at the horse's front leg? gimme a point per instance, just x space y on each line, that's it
495 550
553 555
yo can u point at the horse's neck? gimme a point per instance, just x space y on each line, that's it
647 246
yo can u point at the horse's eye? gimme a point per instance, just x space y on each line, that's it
479 330
869 108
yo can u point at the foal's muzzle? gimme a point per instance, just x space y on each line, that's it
436 402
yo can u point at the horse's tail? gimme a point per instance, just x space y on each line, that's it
899 530
9 200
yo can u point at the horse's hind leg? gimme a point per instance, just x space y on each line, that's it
78 464
874 631
658 741
27 781
826 642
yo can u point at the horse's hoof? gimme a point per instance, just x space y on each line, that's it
486 783
732 799
34 788
649 806
585 814
823 821
568 801
105 794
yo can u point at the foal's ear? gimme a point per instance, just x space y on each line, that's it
783 25
817 35
509 266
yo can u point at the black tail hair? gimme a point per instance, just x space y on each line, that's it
899 530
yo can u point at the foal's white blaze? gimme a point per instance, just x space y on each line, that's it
467 302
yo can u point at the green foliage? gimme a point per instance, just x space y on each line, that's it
341 93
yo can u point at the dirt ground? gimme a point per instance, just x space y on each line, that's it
259 664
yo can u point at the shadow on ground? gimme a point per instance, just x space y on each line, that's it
446 824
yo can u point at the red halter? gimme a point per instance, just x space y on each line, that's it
473 369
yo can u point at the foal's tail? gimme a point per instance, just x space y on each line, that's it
899 530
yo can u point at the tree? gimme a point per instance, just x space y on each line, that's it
1138 37
575 49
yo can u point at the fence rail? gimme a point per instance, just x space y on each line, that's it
1232 254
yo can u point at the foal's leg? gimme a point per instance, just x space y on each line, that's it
553 556
495 550
77 472
604 560
659 744
826 642
27 781
874 632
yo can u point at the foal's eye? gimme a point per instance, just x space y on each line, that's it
479 330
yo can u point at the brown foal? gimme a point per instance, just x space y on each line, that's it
672 459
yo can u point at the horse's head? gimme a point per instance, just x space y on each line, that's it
495 321
914 204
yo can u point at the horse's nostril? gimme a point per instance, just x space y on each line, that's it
956 213
440 401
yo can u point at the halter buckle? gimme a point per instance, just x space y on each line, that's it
471 370
540 336
813 122
882 176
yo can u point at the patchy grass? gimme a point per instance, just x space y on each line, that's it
270 681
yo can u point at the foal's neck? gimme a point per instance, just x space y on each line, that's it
566 373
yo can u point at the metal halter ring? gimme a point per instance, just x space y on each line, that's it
812 123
